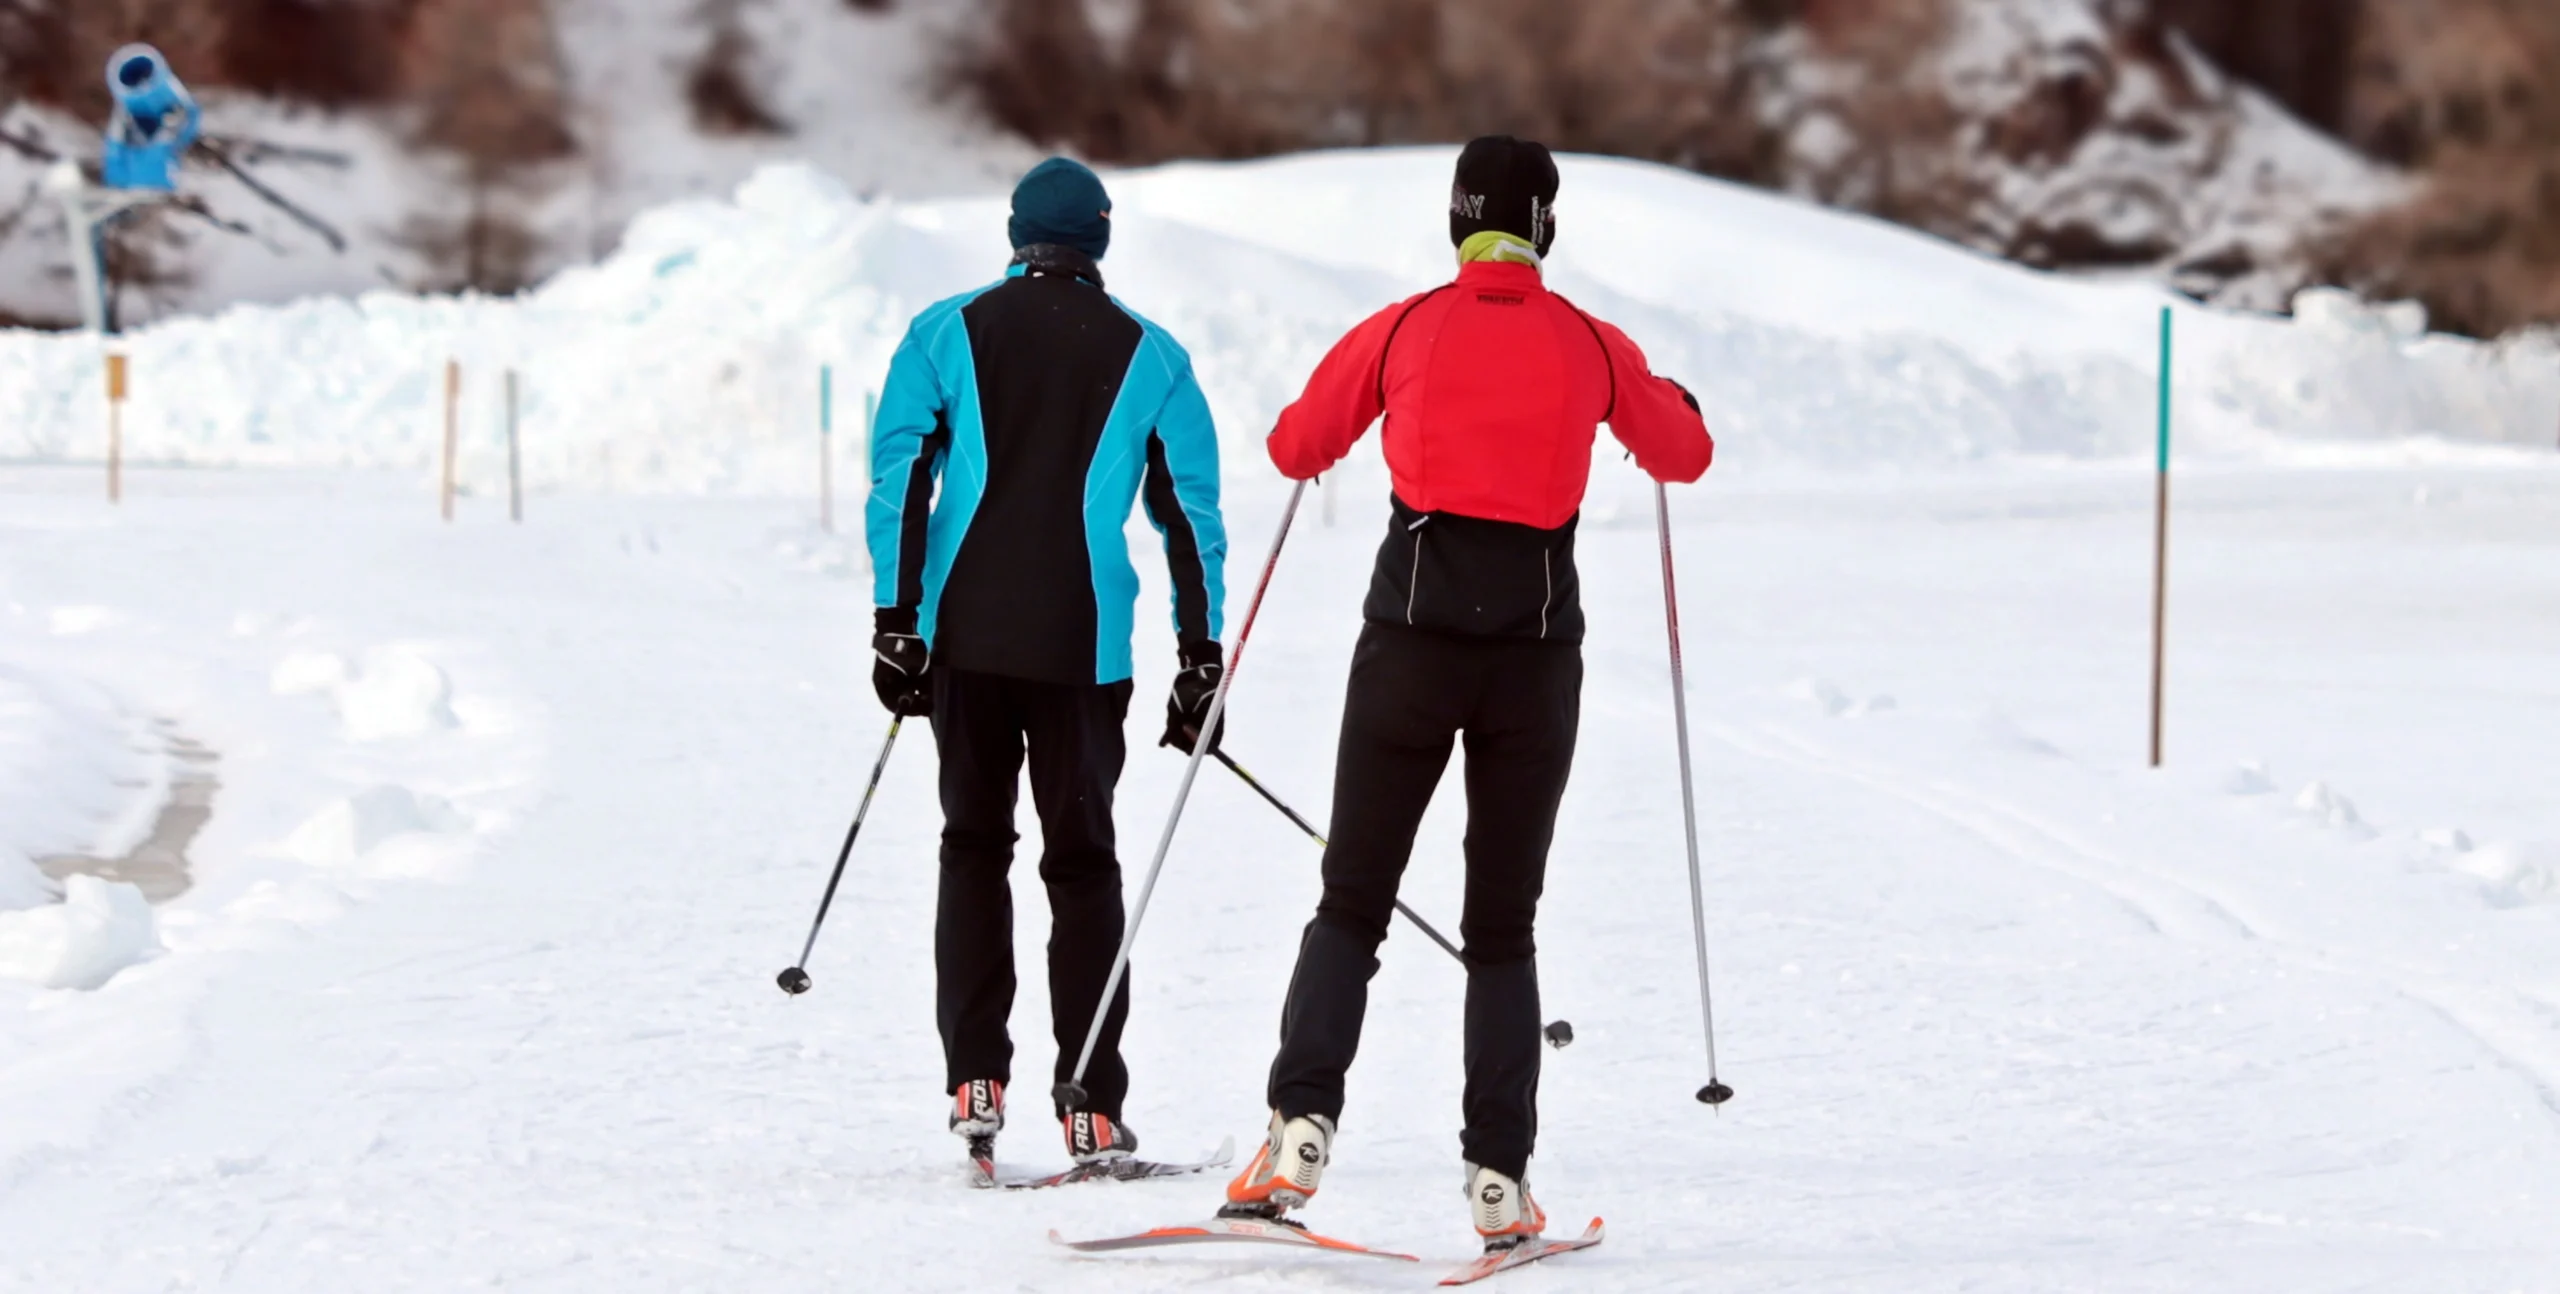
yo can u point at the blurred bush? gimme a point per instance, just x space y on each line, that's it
2110 136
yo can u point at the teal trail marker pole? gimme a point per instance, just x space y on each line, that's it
826 447
2160 547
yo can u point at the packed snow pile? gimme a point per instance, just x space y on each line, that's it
398 693
99 928
73 777
690 360
350 828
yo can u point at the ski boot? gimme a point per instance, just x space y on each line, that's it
1505 1215
1284 1172
977 1114
1098 1139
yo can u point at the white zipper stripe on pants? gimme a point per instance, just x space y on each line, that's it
1413 582
1549 558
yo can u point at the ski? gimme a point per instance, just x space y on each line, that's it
1109 1170
1229 1231
1521 1255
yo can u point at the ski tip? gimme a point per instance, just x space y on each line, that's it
1226 1152
1495 1262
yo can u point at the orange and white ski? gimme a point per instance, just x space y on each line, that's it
1229 1230
1521 1255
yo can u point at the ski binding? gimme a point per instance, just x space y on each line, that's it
983 1173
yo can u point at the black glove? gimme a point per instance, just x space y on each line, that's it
1194 687
900 668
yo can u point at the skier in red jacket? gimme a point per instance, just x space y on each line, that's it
1492 388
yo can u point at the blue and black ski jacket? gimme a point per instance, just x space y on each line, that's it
1045 409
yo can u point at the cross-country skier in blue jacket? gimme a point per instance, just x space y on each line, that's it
1019 425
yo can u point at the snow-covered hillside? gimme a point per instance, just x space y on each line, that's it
690 359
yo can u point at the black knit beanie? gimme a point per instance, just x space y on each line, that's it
1506 184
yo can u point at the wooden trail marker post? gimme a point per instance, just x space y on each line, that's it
515 457
452 398
116 376
826 448
2160 548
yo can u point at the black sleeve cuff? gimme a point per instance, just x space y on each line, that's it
893 620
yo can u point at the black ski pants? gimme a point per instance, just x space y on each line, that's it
1518 704
1073 733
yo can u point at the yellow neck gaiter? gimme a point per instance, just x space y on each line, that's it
1495 245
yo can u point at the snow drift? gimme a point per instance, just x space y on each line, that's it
689 360
99 928
74 776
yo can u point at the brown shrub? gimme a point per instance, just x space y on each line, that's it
2479 245
1040 70
484 83
2302 52
723 89
330 53
2457 88
2444 75
1909 163
82 33
1208 78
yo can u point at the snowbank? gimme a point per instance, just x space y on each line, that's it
398 693
99 928
349 829
688 361
73 778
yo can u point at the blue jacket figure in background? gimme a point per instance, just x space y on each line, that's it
155 120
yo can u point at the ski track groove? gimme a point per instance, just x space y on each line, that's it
2508 1035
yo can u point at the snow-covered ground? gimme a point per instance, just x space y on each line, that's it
2005 1010
514 825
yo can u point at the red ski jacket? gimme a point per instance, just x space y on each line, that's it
1493 389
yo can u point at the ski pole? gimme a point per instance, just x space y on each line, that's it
1559 1032
795 980
1070 1095
1715 1092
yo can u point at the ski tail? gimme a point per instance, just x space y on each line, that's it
982 1160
